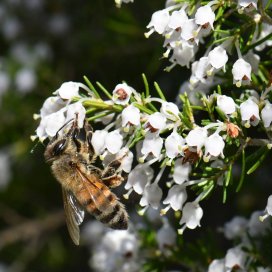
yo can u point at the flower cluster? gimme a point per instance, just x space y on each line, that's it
244 255
163 139
185 27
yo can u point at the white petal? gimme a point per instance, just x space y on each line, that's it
68 90
181 172
226 104
73 109
98 141
114 141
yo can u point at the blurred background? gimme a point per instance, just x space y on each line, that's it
43 44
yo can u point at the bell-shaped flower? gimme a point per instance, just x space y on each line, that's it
188 32
217 265
138 178
176 197
130 116
177 19
173 145
199 70
214 145
196 138
68 90
235 258
247 5
257 226
241 72
126 157
98 141
181 171
170 110
121 94
114 141
268 209
218 57
250 112
205 16
159 22
53 122
266 114
152 196
76 109
166 237
191 216
152 145
183 54
50 105
235 228
155 122
226 104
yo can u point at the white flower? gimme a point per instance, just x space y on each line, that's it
173 145
191 215
217 266
117 251
139 177
235 258
50 105
121 94
176 197
247 4
250 112
159 22
188 32
205 16
241 72
199 70
126 157
50 125
98 141
181 171
170 110
114 141
226 104
152 196
235 228
269 205
72 110
152 144
257 227
25 80
196 137
183 54
156 122
214 145
218 57
5 169
130 116
68 90
177 19
266 114
166 237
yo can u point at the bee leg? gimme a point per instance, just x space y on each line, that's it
111 176
94 170
89 133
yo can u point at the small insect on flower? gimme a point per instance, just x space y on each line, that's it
85 186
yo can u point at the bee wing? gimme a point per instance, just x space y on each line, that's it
74 215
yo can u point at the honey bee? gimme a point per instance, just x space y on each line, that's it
85 186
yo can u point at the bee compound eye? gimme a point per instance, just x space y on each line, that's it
59 147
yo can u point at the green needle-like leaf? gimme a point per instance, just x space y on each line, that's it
243 172
258 162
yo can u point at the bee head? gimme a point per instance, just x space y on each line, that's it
55 149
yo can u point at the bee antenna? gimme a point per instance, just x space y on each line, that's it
67 123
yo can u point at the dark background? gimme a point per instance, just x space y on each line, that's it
107 45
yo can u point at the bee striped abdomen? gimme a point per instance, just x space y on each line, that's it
104 205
